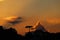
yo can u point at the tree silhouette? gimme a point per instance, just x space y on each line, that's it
28 27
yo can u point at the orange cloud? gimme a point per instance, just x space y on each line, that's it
10 21
11 18
53 20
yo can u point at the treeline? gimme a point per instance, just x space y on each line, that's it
11 34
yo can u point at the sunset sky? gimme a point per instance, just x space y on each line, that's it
47 11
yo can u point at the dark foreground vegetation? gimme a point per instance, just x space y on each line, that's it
11 34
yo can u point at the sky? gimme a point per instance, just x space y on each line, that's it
47 11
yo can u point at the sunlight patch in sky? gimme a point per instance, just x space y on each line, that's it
1 0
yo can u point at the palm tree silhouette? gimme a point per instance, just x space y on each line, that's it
28 27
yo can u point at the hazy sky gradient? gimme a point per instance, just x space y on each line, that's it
44 8
35 9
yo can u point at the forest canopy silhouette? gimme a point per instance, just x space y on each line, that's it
11 34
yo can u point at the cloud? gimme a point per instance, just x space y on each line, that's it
13 19
10 21
53 20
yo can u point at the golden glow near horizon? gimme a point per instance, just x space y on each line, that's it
53 20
